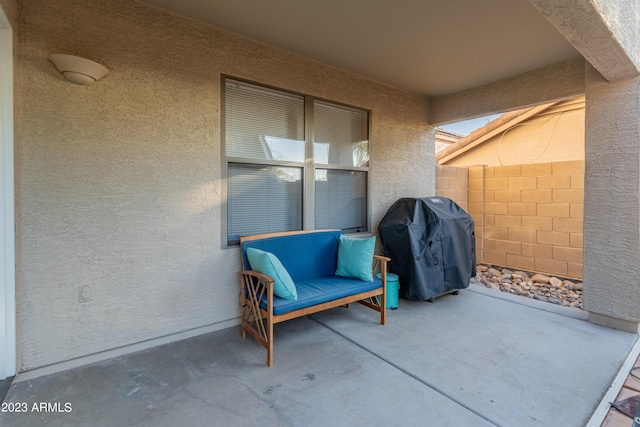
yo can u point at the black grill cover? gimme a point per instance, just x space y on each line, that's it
431 243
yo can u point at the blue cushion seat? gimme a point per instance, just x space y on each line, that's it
320 290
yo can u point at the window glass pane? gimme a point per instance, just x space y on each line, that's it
341 199
340 135
262 123
262 199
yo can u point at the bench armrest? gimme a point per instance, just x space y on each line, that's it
380 263
253 287
259 276
381 258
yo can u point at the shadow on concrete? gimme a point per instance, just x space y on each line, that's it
4 387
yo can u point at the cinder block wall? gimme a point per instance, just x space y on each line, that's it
530 216
476 206
453 183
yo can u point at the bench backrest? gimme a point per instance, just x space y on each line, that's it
305 254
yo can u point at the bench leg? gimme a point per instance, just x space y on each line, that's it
270 345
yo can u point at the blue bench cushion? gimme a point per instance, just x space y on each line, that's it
317 291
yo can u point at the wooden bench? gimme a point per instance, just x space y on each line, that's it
310 258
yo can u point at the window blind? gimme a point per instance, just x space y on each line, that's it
262 123
341 200
265 153
344 131
262 199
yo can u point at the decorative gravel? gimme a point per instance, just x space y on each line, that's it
531 285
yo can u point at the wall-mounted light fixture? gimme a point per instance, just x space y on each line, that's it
78 70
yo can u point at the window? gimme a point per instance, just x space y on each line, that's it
292 162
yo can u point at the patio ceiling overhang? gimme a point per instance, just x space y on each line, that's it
442 48
433 47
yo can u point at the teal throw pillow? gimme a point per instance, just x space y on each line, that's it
355 258
269 264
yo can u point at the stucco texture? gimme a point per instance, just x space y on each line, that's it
611 199
119 183
555 135
604 32
10 8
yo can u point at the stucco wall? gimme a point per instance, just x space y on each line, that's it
10 8
604 32
554 82
119 184
555 135
612 199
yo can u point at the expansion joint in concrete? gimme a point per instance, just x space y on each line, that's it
406 372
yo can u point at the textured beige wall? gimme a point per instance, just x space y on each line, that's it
10 8
554 136
612 198
604 32
555 82
119 184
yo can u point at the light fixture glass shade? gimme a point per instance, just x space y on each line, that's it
78 70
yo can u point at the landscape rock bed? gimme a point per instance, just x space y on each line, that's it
531 285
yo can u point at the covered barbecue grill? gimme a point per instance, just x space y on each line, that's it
431 243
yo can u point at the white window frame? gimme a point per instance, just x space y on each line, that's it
7 216
308 167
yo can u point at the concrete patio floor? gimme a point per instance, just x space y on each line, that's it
471 359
